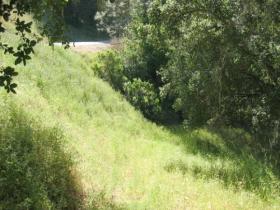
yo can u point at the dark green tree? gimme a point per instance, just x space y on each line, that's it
217 61
114 16
81 12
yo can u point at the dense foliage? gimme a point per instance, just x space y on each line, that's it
142 94
224 62
113 17
211 62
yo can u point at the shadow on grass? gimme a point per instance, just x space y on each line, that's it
230 156
36 171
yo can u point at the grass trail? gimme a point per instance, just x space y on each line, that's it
126 162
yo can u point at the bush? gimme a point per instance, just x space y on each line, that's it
35 171
143 96
110 68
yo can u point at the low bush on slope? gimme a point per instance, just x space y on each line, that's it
35 171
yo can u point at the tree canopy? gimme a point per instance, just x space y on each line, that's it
210 62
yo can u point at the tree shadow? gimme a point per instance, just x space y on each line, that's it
229 156
35 170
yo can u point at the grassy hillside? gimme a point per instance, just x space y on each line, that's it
121 160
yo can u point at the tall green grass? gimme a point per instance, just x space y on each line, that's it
121 160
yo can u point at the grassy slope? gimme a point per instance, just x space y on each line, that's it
127 161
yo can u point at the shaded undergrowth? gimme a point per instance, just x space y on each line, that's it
229 156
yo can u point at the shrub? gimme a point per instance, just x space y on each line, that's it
109 67
143 96
35 171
